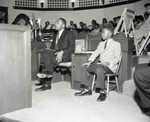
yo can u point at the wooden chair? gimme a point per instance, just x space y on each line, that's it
79 47
108 79
126 25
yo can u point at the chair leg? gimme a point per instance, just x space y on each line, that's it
117 84
93 82
108 78
38 59
63 77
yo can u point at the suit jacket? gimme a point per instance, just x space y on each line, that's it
112 54
66 43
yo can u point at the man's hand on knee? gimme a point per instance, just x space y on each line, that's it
105 64
87 64
59 56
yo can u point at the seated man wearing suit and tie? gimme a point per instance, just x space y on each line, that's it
104 60
60 51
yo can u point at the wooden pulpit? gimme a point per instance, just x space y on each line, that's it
15 68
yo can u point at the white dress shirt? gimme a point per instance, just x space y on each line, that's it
59 35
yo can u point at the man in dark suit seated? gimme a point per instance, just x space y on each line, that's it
60 51
108 54
142 82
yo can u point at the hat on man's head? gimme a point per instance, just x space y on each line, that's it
109 27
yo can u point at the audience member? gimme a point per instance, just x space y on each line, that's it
144 29
111 23
74 31
109 53
139 21
47 25
104 22
146 14
84 26
142 82
116 20
74 26
135 20
96 30
81 25
92 26
71 24
61 48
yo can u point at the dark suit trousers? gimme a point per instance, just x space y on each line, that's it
142 82
87 75
48 59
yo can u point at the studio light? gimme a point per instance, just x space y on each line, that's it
42 3
73 3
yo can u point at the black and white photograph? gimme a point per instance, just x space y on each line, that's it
74 60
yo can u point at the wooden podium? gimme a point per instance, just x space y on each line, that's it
125 72
15 68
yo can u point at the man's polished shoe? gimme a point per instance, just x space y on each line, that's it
146 111
39 84
43 88
83 93
102 97
44 75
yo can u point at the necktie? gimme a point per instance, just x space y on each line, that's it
105 45
56 44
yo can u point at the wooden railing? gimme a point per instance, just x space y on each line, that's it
78 5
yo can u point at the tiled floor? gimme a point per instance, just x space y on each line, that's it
60 105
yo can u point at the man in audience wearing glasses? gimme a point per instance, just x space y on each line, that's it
104 60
